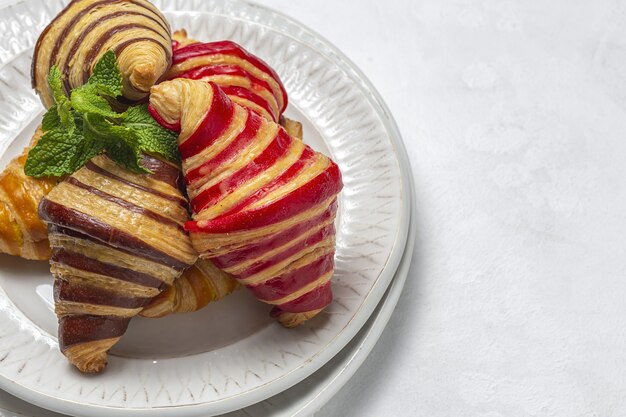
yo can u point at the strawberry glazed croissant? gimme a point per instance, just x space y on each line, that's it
244 77
263 203
81 33
233 69
117 241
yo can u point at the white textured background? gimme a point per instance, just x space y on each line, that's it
513 113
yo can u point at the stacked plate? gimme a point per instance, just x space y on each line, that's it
229 357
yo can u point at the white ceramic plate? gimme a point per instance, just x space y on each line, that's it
309 395
229 355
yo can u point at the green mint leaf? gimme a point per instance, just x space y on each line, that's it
126 156
63 105
55 81
152 137
53 156
82 126
51 119
106 76
121 143
91 145
85 99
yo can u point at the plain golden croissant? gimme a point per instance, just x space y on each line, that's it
263 202
81 33
198 286
22 233
117 241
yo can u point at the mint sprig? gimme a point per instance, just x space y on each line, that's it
83 125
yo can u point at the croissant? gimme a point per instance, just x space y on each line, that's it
199 285
244 77
263 203
117 241
74 41
22 232
204 282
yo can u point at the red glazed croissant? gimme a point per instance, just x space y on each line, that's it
264 204
205 283
244 77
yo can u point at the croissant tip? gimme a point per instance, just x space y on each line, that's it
181 33
144 76
90 357
92 368
290 320
88 365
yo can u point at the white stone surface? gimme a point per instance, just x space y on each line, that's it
513 114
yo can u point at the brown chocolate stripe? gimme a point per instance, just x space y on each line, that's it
126 205
119 48
88 328
98 170
42 36
84 263
52 212
56 229
162 170
70 25
65 291
95 49
76 46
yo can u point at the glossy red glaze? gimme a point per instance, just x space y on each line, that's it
285 284
277 148
227 48
320 297
291 250
282 179
215 123
319 189
243 139
212 70
245 94
273 241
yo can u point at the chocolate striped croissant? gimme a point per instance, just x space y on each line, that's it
82 32
22 232
264 203
117 241
244 77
